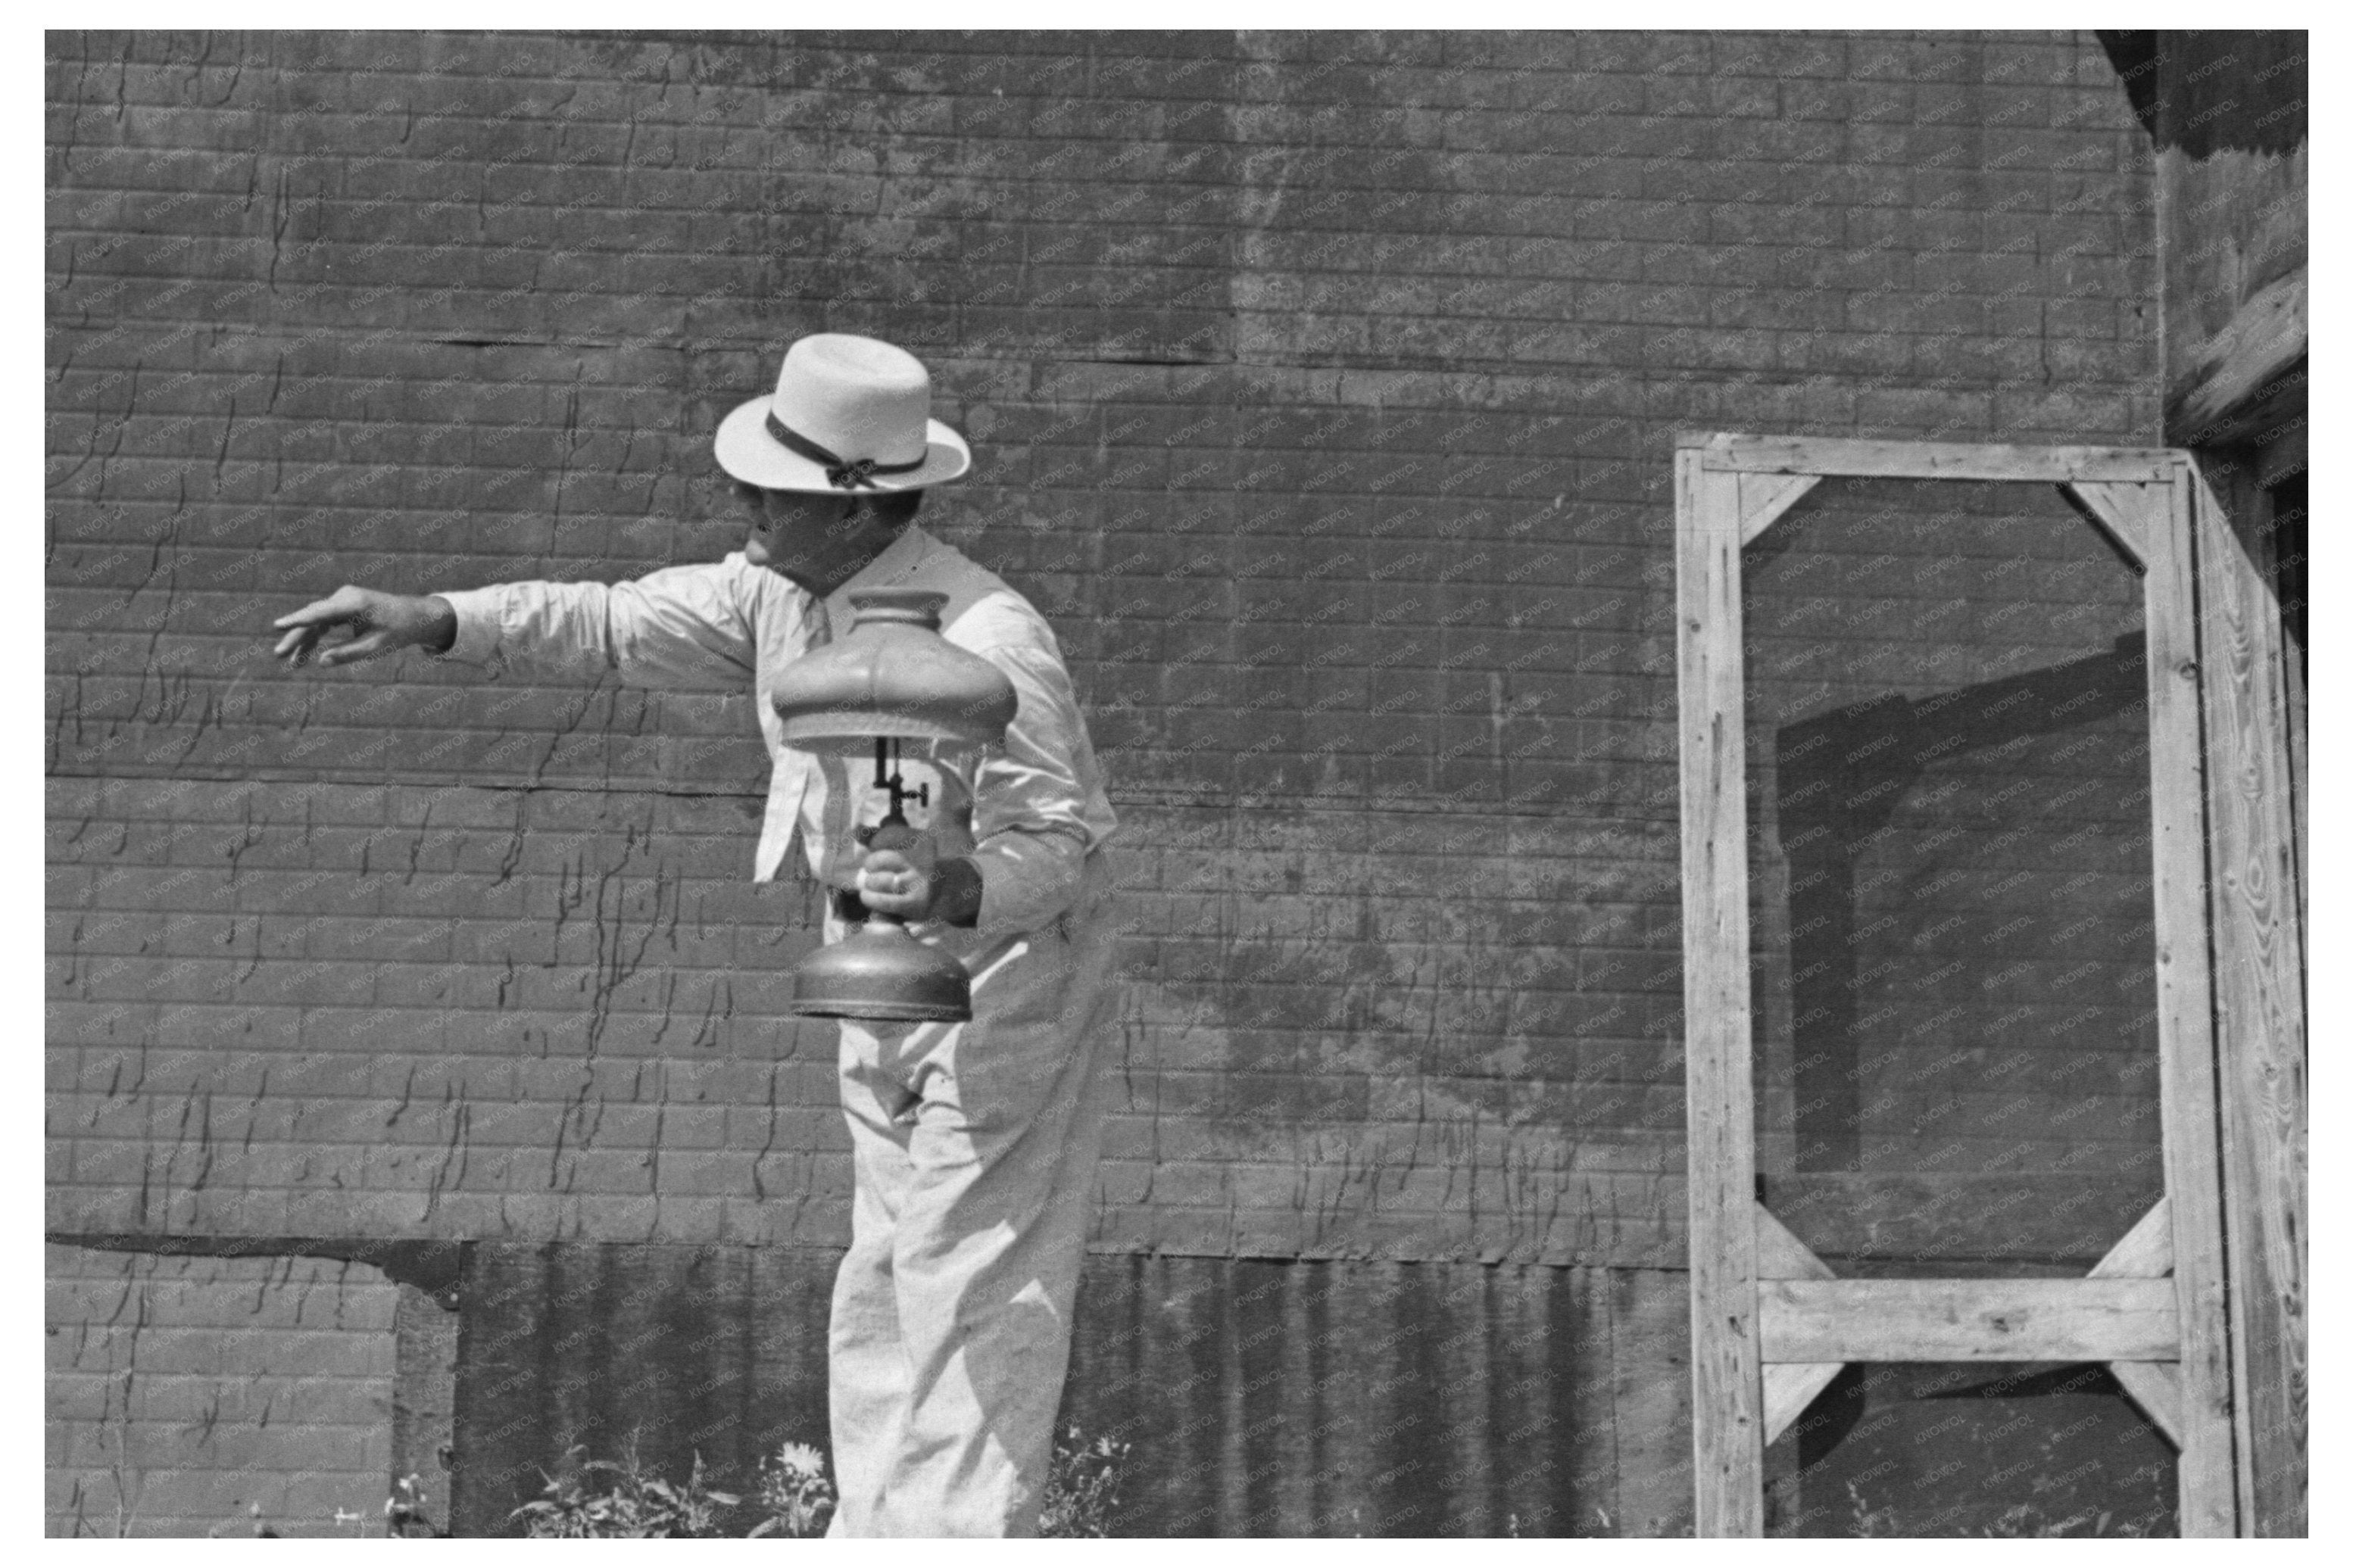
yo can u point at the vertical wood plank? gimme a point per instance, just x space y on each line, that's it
1727 1391
2185 1031
2298 715
1651 1440
2258 993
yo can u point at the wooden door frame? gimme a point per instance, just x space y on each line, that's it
1770 1324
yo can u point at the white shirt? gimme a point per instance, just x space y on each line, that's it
1031 812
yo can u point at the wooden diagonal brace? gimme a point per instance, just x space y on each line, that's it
2147 1253
1789 1387
1764 497
2121 511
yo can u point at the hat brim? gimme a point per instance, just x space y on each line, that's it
747 452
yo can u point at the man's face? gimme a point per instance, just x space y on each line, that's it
816 539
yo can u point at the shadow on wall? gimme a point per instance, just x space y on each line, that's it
2182 102
1969 952
1870 903
1972 1449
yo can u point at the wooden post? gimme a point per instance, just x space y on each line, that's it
2185 1017
1720 1131
2259 992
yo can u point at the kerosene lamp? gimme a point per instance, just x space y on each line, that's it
891 681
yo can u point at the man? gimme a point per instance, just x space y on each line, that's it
974 1144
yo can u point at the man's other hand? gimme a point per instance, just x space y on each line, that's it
378 623
908 880
898 881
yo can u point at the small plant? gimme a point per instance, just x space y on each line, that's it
796 1500
1082 1490
253 1525
405 1518
794 1493
2025 1521
1870 1521
631 1504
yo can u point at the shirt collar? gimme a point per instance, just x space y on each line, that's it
897 562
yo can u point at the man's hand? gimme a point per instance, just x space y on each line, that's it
379 624
906 879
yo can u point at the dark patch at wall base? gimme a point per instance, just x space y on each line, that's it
716 1350
424 1408
1257 1397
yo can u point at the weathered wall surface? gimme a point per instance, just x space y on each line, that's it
1323 389
1256 1397
1368 597
2226 114
213 1396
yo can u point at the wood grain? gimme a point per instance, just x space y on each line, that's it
2262 343
2258 962
1728 1388
1929 459
2185 1018
1968 1319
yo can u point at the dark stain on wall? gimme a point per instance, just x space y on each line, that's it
2214 89
1256 1397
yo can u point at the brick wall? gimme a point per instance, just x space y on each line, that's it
210 1395
1393 744
1323 389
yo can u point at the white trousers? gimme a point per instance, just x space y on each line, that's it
975 1148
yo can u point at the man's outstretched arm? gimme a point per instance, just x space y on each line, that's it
682 628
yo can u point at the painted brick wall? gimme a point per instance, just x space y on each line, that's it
1323 387
208 1396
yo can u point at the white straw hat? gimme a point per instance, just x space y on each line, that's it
848 413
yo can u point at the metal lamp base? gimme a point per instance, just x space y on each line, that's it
882 973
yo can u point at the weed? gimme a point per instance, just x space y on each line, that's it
795 1497
601 1499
